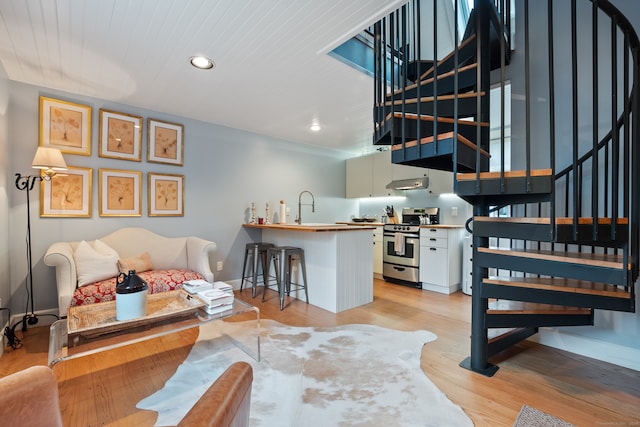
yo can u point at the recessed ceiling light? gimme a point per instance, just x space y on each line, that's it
315 127
201 62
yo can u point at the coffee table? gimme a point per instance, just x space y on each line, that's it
93 328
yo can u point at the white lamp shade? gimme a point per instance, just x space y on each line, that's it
49 159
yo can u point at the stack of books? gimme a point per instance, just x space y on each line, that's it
218 297
197 285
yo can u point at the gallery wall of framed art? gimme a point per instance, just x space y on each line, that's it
67 125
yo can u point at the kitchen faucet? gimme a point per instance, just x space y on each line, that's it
313 205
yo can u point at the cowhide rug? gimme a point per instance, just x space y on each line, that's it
353 375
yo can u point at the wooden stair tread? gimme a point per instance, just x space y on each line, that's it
471 176
428 118
547 220
583 258
431 79
464 43
427 99
441 136
561 285
503 306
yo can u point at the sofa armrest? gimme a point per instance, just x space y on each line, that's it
227 402
198 251
60 256
30 398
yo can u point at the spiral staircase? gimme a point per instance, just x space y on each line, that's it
556 205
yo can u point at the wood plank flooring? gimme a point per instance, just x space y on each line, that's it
103 389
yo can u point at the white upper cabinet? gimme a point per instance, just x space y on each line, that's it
359 175
407 172
368 176
440 182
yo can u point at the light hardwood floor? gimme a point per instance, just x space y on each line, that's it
103 389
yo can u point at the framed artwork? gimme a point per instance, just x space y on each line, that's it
68 194
120 192
166 194
166 142
66 126
120 136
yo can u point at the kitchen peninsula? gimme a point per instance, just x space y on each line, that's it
338 259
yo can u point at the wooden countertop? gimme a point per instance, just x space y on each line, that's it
310 227
441 226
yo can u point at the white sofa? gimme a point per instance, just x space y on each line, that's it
189 253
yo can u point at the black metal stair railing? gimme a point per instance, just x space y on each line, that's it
600 180
408 87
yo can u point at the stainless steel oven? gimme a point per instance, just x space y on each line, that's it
401 256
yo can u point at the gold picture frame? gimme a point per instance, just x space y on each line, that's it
120 192
68 194
65 125
165 142
166 194
120 136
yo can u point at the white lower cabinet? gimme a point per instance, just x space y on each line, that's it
378 250
441 259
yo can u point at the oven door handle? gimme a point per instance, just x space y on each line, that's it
406 236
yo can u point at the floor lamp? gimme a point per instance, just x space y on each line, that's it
50 161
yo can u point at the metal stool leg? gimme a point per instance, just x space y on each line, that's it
244 268
255 263
303 266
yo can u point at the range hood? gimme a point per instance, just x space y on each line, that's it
409 184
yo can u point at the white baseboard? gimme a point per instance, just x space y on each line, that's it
601 350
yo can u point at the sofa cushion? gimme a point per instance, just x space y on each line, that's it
158 280
140 263
95 263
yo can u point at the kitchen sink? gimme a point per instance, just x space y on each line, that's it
314 224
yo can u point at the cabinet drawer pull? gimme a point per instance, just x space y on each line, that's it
433 239
433 249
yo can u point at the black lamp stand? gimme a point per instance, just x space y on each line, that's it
27 183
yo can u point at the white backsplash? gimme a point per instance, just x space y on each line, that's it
375 206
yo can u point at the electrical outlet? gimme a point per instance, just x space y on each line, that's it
219 266
454 211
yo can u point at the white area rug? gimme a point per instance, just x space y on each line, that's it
354 375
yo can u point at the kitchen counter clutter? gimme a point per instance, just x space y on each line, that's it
338 260
361 224
314 227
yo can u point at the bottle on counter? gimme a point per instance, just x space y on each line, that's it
283 212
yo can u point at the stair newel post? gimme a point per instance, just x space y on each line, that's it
404 57
483 81
615 137
552 117
502 100
435 74
417 60
594 137
635 160
456 54
478 361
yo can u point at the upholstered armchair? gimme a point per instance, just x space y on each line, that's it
29 398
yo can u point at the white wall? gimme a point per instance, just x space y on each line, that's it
5 182
225 170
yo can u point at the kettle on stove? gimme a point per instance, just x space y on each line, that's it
131 296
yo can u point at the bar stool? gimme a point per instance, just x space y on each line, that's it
255 251
282 257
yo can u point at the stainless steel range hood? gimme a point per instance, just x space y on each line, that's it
409 184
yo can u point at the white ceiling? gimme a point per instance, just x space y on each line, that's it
272 76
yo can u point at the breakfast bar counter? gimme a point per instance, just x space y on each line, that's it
338 259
